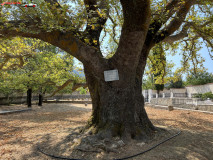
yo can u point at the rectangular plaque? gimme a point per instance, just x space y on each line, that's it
111 75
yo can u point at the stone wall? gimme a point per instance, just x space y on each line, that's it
12 100
178 90
165 91
198 107
186 103
23 99
161 101
200 88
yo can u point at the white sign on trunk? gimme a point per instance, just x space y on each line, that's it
111 75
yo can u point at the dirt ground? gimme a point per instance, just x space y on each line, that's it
51 126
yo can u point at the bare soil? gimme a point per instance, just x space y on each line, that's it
52 128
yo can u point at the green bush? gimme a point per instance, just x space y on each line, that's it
82 90
207 95
203 96
197 95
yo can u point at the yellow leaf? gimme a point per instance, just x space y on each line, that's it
86 40
95 41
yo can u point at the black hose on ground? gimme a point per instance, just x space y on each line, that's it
149 149
57 157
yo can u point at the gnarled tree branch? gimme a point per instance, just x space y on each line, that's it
113 29
182 34
167 12
175 23
59 88
78 85
75 86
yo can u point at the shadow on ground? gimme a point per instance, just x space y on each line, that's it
187 146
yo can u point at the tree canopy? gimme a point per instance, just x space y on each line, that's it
34 64
83 18
199 78
97 23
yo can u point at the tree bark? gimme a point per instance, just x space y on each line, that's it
29 97
118 106
40 99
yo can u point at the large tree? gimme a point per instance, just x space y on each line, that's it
118 106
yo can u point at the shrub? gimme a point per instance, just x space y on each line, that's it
207 95
197 95
82 90
203 96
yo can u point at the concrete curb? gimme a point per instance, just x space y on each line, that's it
78 102
14 111
177 108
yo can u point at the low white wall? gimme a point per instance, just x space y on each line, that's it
178 90
165 91
161 101
200 88
154 91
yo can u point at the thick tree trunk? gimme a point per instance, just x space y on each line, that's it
118 110
29 97
40 99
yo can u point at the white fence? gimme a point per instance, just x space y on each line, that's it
149 94
181 98
177 92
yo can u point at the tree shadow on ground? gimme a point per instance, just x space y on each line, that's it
188 145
